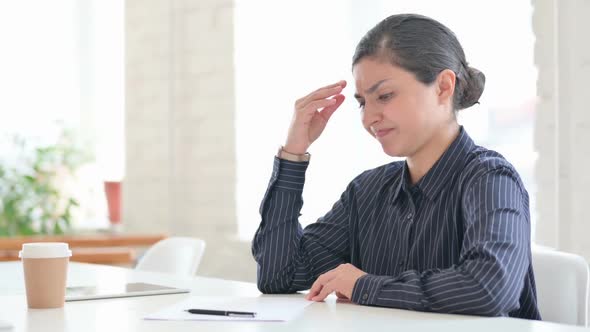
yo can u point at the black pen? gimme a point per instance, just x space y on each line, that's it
221 313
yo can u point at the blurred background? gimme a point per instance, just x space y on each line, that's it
161 118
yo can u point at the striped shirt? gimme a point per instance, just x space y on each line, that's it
457 241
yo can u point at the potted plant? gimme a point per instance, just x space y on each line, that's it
34 196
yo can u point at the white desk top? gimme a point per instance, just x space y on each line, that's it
125 314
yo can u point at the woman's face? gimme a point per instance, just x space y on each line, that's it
401 112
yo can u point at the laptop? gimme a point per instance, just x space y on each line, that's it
119 290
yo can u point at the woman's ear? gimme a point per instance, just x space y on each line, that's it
445 86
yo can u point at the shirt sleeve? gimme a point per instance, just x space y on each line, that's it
290 258
493 263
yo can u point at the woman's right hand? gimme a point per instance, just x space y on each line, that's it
311 115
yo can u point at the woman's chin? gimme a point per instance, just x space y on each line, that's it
392 151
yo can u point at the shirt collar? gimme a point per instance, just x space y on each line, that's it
441 172
402 181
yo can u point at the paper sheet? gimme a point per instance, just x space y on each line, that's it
268 308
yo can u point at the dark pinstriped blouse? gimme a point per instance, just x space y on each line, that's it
458 241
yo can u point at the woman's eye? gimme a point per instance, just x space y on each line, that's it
385 97
361 104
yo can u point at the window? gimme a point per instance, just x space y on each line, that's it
302 45
62 65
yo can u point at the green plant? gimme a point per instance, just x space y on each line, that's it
33 187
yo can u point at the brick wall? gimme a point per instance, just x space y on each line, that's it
180 137
562 137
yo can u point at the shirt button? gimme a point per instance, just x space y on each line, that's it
365 296
409 217
401 263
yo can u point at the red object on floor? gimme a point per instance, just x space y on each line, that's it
113 193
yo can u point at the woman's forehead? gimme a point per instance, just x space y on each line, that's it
368 72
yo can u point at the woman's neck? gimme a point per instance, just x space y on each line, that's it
422 161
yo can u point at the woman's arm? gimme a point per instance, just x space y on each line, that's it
290 258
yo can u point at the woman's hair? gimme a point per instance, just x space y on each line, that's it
423 47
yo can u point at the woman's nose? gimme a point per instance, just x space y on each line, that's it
371 115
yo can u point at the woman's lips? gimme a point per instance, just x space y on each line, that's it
382 132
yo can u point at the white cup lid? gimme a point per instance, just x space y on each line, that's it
45 250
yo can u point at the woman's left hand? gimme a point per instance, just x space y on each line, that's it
340 280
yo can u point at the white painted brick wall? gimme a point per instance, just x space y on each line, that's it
562 54
180 173
544 20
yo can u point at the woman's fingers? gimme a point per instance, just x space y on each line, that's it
327 112
315 289
321 93
319 283
326 290
318 104
311 116
341 82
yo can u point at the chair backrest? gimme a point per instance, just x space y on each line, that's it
177 255
562 286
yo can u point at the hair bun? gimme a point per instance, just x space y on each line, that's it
471 92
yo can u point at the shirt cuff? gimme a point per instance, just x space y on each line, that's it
366 288
289 175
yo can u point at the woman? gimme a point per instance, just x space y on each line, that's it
446 230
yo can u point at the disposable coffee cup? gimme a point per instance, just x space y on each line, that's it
46 267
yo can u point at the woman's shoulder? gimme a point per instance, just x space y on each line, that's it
483 161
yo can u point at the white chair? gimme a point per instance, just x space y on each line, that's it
177 255
562 286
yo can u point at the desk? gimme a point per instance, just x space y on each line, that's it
126 314
87 248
